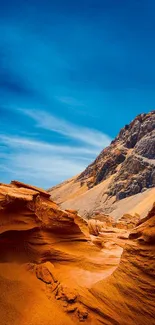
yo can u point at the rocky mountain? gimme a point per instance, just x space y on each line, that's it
52 271
119 178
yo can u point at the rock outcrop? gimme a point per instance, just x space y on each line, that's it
32 227
127 297
39 239
124 169
53 271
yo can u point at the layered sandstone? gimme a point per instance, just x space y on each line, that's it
128 295
53 271
40 241
34 227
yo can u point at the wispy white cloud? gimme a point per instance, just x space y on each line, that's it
31 144
42 167
86 135
41 163
45 164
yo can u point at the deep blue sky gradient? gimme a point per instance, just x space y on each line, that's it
70 72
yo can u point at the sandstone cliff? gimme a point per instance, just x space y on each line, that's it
40 241
52 273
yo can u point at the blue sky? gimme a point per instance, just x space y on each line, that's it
72 73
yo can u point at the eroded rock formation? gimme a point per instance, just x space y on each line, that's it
128 295
37 238
53 271
36 226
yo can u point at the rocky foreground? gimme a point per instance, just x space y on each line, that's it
55 268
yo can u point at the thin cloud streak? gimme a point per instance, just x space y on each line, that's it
41 163
45 164
31 144
47 121
40 169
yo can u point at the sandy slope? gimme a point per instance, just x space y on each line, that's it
95 200
23 300
140 203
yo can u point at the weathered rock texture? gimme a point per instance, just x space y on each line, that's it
52 273
34 228
39 239
122 170
128 295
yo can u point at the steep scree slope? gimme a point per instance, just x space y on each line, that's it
122 170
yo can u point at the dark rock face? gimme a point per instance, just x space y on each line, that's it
134 176
109 167
137 129
146 146
130 157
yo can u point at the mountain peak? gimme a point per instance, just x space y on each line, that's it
131 133
123 169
